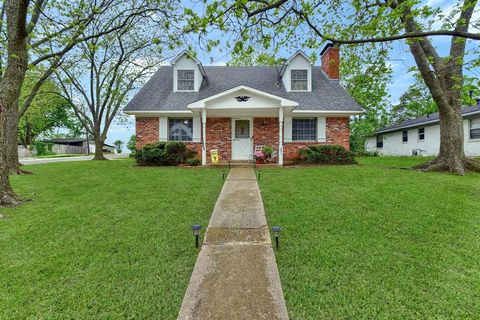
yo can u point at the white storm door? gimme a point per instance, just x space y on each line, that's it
242 142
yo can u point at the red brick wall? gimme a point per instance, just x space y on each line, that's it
337 132
265 132
146 131
219 136
331 62
197 147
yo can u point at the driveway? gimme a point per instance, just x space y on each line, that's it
28 161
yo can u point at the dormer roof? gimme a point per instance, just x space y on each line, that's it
191 57
286 63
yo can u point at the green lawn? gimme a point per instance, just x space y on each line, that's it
108 240
375 242
102 240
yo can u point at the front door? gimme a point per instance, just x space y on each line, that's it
242 142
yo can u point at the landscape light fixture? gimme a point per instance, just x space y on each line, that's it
276 233
196 232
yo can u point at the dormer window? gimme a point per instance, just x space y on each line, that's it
299 80
185 80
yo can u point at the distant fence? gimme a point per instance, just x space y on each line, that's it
57 148
60 148
25 152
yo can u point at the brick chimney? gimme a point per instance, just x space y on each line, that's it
331 61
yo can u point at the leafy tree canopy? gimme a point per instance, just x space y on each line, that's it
48 111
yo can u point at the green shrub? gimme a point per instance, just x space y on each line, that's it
194 162
327 154
267 151
43 148
164 153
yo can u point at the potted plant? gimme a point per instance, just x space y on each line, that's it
267 152
259 157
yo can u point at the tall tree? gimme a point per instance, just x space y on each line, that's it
98 76
38 35
370 22
47 112
417 101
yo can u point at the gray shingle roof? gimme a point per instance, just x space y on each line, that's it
428 119
157 94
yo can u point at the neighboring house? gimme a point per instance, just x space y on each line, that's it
77 145
421 136
235 110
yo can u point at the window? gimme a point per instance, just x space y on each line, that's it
180 129
242 129
304 129
299 80
185 80
475 128
421 134
379 141
405 136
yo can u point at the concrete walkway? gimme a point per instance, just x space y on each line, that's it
29 161
236 275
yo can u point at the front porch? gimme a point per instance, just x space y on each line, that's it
236 138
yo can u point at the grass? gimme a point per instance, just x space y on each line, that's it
59 155
102 240
372 242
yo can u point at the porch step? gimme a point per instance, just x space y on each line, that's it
233 164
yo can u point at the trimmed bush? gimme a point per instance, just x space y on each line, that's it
44 148
327 154
170 153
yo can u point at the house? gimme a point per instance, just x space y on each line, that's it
233 110
77 145
421 136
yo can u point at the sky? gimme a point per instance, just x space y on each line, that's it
400 61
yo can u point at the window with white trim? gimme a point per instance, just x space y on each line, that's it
304 129
421 134
299 80
475 128
185 80
180 129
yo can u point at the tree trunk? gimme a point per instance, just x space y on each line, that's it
451 156
7 196
11 136
10 86
99 148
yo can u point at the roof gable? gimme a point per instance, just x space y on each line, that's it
249 102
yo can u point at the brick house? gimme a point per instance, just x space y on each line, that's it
235 109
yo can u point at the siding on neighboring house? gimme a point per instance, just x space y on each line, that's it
394 146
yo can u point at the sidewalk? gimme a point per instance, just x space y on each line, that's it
236 276
29 161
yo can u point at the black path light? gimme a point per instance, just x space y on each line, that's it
276 233
196 232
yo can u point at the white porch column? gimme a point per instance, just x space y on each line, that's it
280 136
204 136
